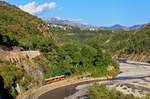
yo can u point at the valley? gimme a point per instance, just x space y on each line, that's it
133 79
64 59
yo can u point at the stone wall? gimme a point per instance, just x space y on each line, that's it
17 56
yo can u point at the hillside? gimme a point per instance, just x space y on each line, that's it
139 44
133 44
18 28
26 32
63 51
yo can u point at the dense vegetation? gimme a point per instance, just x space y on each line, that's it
128 42
118 42
60 55
68 50
102 92
17 74
75 58
18 28
9 77
21 29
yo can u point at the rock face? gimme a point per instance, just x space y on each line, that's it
34 71
142 57
25 59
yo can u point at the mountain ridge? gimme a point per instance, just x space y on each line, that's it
116 27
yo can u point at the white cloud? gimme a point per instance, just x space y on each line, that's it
32 9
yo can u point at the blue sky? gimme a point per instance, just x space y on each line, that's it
95 12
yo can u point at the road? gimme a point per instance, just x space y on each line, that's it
133 75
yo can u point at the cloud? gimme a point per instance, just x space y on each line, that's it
33 9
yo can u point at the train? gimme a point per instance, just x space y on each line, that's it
53 79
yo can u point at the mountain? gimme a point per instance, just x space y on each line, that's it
133 45
55 20
22 31
135 27
18 28
75 49
117 27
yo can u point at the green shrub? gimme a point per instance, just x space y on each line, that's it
102 92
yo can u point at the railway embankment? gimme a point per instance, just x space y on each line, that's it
36 92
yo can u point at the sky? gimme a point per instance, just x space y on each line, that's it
95 12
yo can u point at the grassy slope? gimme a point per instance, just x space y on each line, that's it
20 26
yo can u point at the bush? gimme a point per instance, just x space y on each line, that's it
73 58
9 77
102 92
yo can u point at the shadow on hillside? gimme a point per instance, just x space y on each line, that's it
4 94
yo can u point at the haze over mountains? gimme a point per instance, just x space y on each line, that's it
116 27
